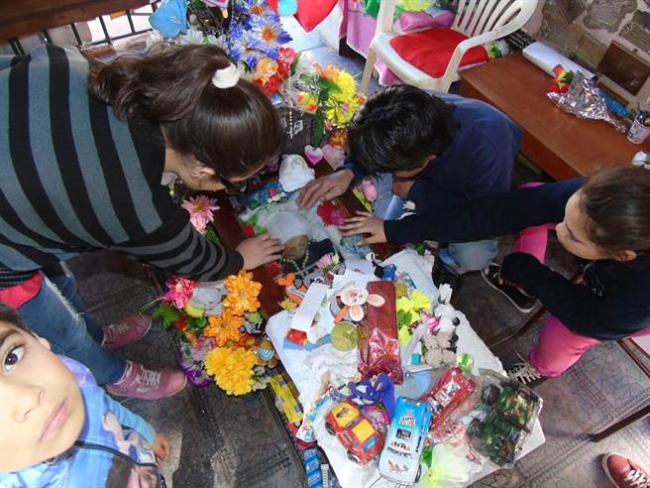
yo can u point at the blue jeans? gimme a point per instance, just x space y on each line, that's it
57 314
469 256
459 257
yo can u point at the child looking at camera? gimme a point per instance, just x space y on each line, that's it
59 429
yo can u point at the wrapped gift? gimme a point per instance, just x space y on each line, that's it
378 343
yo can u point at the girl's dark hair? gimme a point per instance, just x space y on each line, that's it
232 130
399 128
10 316
617 205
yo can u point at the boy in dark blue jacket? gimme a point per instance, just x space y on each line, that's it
442 150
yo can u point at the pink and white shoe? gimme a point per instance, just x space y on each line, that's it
147 384
126 331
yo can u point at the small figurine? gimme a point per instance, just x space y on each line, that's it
267 354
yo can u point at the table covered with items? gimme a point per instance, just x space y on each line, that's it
400 390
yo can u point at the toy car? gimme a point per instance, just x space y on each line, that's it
400 459
357 434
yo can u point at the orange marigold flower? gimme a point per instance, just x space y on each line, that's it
224 328
242 293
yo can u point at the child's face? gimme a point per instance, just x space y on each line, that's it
41 407
572 232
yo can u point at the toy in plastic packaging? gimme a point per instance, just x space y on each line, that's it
453 387
512 411
379 350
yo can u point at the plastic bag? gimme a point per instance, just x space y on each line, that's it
378 343
512 410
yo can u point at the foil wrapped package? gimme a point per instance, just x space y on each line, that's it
583 99
378 343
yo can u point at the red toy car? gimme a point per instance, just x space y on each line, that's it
356 433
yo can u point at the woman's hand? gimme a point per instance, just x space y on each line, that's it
259 250
365 223
161 447
326 188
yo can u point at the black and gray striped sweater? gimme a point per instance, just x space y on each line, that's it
74 178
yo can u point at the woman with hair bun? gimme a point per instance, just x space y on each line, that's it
83 147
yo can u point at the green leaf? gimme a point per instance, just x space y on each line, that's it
197 323
211 235
294 65
319 129
168 313
305 77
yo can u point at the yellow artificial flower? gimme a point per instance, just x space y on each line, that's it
242 293
347 85
232 369
340 109
216 360
420 301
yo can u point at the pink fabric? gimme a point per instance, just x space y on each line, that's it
411 21
534 240
558 348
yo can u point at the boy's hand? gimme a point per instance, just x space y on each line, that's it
161 447
402 188
365 223
326 187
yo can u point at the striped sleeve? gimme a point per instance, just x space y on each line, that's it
178 248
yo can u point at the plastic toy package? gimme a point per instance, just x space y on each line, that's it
451 390
379 350
509 413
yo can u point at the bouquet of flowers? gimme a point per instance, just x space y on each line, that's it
248 30
217 323
330 93
218 326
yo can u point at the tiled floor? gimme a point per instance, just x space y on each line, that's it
220 441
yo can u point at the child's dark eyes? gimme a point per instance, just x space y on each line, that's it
13 357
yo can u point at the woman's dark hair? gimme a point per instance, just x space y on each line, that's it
10 316
232 130
399 128
617 205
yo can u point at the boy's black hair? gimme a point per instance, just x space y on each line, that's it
8 314
398 129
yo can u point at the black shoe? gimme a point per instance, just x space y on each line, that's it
522 302
441 274
525 374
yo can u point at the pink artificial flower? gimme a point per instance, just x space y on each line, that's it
432 322
179 291
201 209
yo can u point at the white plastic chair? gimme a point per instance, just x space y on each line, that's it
481 21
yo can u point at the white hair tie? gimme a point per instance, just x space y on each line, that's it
226 77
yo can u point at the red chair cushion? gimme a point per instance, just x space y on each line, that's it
312 12
431 50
